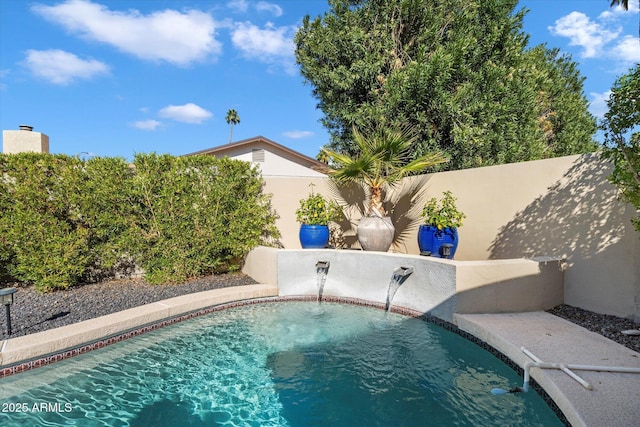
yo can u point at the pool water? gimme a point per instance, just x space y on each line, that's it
278 364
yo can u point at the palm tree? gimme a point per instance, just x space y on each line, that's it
625 3
322 157
232 120
383 159
625 6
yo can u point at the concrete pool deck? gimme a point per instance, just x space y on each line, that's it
614 399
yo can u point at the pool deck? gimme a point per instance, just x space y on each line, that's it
615 397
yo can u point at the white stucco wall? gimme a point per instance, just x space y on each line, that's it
275 164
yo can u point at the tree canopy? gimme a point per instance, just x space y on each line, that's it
457 71
621 126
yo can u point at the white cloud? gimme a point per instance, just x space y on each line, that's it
60 67
242 6
175 37
582 31
187 113
297 134
619 11
147 124
598 106
274 9
601 38
627 49
239 6
271 45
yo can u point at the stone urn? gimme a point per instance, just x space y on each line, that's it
376 233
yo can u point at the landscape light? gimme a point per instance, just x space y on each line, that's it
6 298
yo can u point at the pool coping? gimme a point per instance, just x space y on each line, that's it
545 335
31 351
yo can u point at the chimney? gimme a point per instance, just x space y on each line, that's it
19 141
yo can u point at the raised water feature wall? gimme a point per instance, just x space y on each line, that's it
437 286
561 207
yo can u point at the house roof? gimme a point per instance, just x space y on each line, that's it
222 150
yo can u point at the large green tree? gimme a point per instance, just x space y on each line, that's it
621 126
458 71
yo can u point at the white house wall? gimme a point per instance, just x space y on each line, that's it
275 164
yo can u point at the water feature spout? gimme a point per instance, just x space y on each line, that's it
403 271
400 274
322 268
322 265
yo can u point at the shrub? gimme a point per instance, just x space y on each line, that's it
316 210
443 213
61 216
64 219
196 215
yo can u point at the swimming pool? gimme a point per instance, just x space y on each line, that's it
277 364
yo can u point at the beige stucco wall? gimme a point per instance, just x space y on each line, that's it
562 207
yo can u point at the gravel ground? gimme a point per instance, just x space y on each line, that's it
603 324
34 312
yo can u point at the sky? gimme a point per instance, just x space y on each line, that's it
120 77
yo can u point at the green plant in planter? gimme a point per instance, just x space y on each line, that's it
438 236
383 158
442 213
316 210
314 215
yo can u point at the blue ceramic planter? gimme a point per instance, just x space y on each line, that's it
431 240
314 236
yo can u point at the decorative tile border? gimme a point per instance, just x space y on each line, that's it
66 354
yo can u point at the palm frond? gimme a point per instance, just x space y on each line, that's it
384 158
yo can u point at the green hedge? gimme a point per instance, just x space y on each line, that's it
65 220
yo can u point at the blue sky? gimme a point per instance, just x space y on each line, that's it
119 77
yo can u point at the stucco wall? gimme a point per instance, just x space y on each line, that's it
435 286
561 207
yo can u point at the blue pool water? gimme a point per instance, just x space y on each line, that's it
278 364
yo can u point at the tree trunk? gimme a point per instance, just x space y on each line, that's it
375 203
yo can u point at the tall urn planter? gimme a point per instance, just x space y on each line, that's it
376 233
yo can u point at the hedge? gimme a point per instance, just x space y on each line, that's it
66 220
